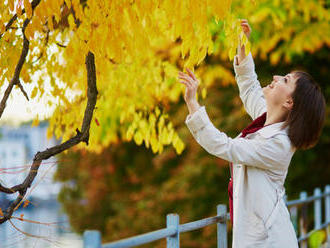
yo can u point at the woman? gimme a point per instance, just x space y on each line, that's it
288 115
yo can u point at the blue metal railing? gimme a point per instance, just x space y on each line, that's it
92 238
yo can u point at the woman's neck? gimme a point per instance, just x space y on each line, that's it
275 117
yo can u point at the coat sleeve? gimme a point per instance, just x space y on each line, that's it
250 90
267 153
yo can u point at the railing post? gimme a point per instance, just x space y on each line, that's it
172 220
327 210
222 227
317 209
92 239
294 218
303 219
293 214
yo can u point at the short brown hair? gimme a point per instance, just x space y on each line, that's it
306 118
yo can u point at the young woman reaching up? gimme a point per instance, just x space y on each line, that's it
288 114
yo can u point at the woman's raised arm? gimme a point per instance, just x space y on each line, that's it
250 90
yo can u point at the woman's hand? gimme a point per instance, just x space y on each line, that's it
241 49
191 83
246 27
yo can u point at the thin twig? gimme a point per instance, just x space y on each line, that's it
60 45
23 91
29 234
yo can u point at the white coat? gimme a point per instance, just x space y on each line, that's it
260 165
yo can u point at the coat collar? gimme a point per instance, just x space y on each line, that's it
271 130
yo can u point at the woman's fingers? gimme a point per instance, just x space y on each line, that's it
191 74
245 24
244 21
185 83
187 78
246 27
190 82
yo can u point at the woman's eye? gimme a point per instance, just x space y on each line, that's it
286 80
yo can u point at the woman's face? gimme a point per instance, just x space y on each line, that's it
279 91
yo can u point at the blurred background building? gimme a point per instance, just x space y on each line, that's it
18 146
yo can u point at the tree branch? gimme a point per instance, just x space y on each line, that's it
18 69
34 4
82 136
60 45
23 91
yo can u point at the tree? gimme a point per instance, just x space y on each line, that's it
124 38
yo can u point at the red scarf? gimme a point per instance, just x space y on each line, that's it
253 127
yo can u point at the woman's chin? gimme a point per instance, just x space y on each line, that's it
264 90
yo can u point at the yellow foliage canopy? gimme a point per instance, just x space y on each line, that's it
139 47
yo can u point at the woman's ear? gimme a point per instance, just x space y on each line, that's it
288 104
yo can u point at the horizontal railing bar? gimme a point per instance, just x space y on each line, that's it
142 239
314 230
200 223
307 200
164 233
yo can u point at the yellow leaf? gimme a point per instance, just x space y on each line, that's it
178 144
34 92
35 122
71 21
19 11
274 58
2 27
164 136
161 123
11 5
138 138
49 133
204 93
231 53
129 133
154 144
244 39
29 32
68 3
26 203
160 149
146 139
50 23
157 111
28 8
247 48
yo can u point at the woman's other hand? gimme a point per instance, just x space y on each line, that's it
241 49
191 83
246 27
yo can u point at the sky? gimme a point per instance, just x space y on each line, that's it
19 109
